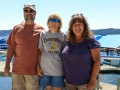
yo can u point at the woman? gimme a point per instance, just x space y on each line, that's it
81 55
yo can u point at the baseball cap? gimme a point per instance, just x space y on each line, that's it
30 5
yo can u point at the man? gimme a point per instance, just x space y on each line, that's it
23 45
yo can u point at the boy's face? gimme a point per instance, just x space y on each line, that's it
54 24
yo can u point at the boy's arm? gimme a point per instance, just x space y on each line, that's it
39 70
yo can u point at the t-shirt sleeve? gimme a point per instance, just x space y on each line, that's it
40 46
93 43
11 39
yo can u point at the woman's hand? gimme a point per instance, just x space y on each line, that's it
91 85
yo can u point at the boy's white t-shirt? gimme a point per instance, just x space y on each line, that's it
51 45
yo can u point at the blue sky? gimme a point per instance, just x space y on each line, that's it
100 14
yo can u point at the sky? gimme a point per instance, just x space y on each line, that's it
100 14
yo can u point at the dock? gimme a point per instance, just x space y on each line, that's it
108 69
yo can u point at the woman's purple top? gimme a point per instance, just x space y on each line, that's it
78 62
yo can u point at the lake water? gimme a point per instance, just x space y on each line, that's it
109 78
2 58
5 83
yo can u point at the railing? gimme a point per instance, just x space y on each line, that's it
100 88
118 86
98 85
113 58
98 81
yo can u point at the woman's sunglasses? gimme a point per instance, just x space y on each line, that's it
53 20
76 15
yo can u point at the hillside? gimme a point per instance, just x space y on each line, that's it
4 33
108 31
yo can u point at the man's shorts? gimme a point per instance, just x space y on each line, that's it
54 81
25 82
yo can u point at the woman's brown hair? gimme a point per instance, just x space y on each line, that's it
78 18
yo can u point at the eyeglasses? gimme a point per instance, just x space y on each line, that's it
30 11
75 25
76 15
54 20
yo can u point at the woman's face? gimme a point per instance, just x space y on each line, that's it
78 29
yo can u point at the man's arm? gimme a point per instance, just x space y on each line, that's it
10 53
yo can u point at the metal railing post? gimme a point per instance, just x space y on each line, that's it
118 85
98 82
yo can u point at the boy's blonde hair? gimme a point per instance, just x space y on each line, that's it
54 15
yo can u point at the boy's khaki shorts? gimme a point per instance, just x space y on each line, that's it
25 82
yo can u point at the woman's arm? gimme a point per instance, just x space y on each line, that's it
96 67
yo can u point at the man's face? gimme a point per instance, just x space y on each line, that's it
29 15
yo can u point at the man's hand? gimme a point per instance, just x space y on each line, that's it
6 70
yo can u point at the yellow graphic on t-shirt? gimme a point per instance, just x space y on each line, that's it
53 48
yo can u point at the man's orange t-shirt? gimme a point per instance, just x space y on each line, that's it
24 38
